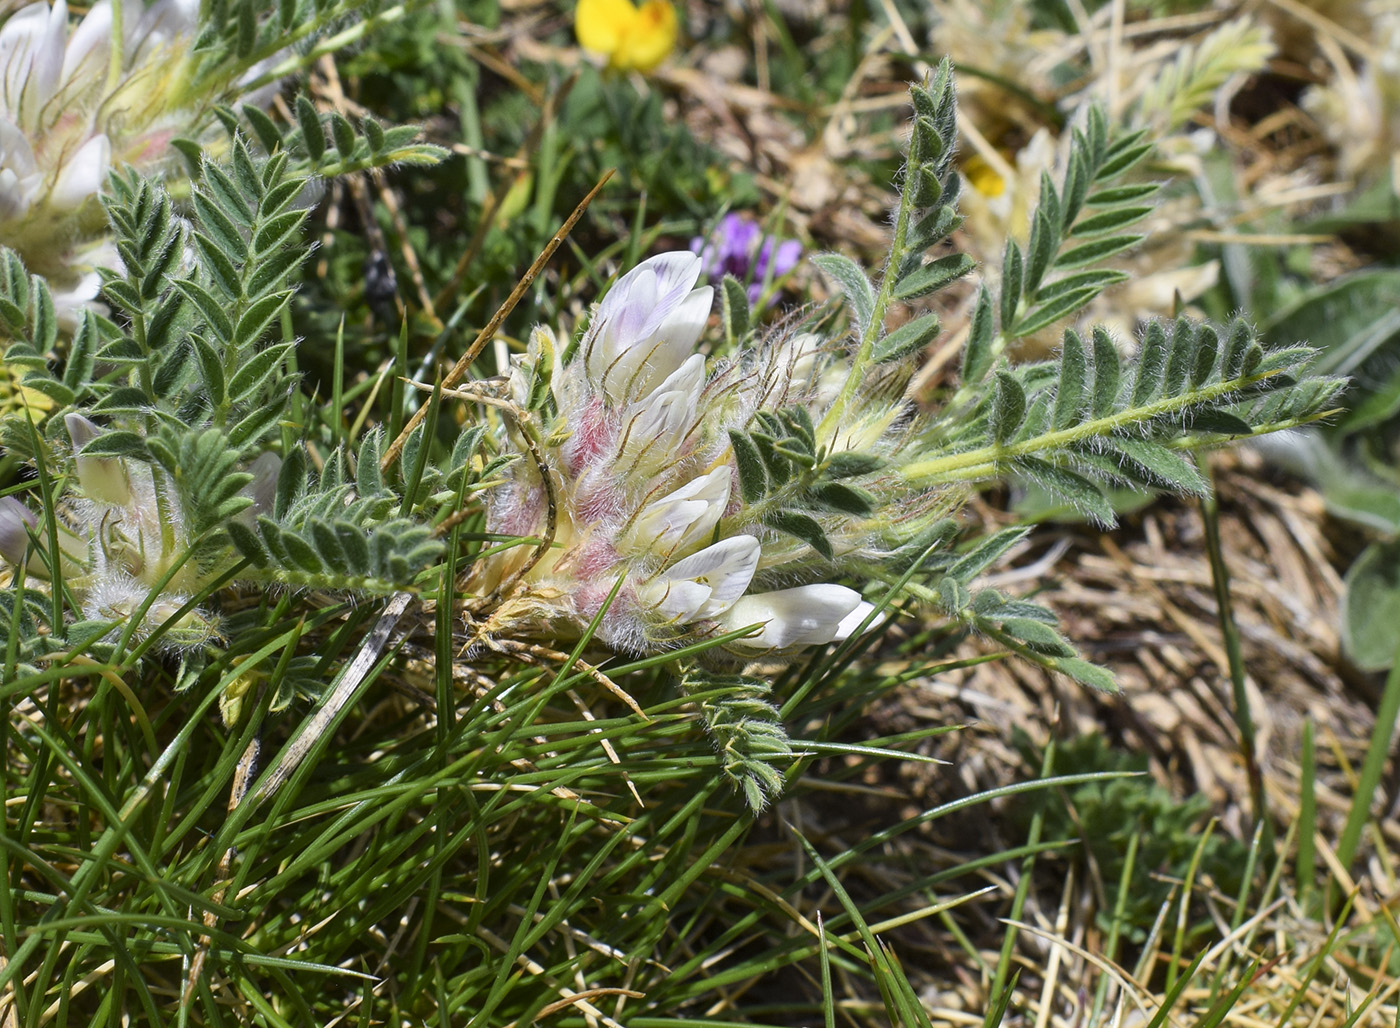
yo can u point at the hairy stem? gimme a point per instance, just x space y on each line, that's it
831 421
999 455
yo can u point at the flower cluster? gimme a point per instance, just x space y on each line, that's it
123 543
75 103
739 247
631 38
639 475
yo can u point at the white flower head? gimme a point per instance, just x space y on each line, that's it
642 446
646 326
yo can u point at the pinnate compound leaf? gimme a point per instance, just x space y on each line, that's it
978 355
1096 250
248 544
117 443
1038 636
986 552
313 136
1108 372
1218 422
1110 220
1122 154
852 465
1236 346
212 310
1074 377
1061 307
1149 364
1045 237
1163 465
255 424
1070 487
258 316
843 499
269 135
259 368
1085 673
930 277
1207 350
753 477
1012 268
1181 354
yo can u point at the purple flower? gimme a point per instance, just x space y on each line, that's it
738 247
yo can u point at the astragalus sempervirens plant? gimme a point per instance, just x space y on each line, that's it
717 509
673 497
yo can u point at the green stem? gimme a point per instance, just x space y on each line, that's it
1229 629
143 368
117 54
832 420
297 62
1386 714
1018 902
998 455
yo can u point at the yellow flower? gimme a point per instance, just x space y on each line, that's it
628 36
983 177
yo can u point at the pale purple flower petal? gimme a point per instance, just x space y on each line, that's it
646 326
738 247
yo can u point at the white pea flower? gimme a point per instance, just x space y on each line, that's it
805 616
705 584
646 326
122 534
16 522
681 519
